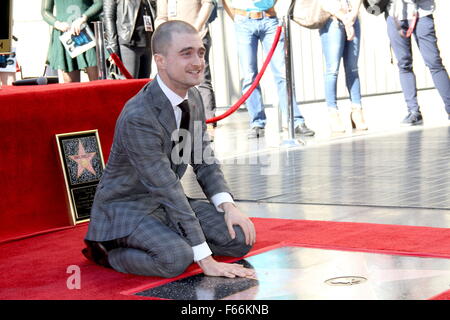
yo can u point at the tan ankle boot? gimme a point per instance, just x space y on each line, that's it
357 118
335 121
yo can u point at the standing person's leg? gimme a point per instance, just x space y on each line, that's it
278 66
72 76
333 38
206 87
92 73
247 46
145 63
75 76
350 57
130 60
403 52
7 78
425 36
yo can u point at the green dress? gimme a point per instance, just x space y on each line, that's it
67 11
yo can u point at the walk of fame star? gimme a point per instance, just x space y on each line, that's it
83 160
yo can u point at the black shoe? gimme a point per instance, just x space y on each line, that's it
96 252
304 130
412 119
255 132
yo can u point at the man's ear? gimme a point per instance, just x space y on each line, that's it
160 60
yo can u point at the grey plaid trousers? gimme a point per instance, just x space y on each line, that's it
155 248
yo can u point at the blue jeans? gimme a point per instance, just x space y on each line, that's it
336 47
249 32
425 36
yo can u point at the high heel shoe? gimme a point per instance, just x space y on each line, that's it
357 118
335 121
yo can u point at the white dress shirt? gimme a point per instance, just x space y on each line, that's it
202 250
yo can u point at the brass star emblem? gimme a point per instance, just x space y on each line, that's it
83 160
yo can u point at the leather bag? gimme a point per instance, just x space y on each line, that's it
309 14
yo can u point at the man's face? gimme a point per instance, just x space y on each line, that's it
183 65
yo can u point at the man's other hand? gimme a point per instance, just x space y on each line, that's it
234 216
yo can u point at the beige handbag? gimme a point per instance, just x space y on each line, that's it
309 14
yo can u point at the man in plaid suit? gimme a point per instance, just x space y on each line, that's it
141 220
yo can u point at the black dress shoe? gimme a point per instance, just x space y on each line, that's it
96 252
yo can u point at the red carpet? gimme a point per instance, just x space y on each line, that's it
36 267
32 190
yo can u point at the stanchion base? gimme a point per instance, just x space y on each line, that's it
289 143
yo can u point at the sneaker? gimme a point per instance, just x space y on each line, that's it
412 119
255 132
304 130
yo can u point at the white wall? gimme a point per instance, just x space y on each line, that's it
33 34
378 75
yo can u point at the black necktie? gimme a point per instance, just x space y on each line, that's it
184 123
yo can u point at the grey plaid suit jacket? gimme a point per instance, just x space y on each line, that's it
140 177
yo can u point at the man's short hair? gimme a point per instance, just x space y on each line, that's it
162 36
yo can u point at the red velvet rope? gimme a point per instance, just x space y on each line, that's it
255 83
120 65
244 97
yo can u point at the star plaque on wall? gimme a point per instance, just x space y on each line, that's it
82 162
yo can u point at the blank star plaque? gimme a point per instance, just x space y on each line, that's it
82 162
